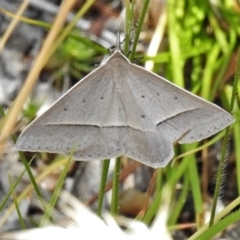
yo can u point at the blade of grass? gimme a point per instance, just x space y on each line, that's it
102 185
219 34
207 144
178 171
177 208
16 203
153 209
219 79
220 226
235 95
130 6
218 217
159 180
14 185
31 177
195 185
224 156
56 193
174 44
26 164
139 28
225 145
236 135
208 71
13 24
114 203
51 168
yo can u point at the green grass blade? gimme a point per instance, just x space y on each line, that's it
55 195
114 204
102 185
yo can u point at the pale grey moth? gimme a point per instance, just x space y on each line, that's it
121 108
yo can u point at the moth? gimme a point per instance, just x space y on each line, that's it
121 108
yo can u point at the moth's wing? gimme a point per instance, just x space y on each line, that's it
85 142
149 148
83 120
93 101
176 113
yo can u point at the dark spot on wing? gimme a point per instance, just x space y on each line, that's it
83 100
101 98
143 116
143 96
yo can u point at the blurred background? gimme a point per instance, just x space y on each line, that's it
193 44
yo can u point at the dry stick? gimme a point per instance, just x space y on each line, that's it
13 24
157 38
152 183
11 117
